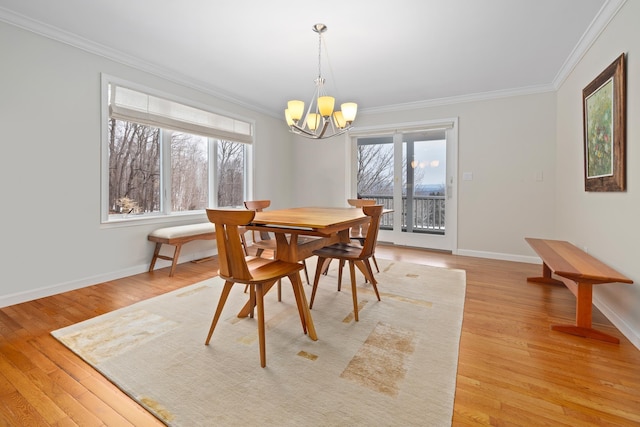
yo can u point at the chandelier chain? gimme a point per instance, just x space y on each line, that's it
319 56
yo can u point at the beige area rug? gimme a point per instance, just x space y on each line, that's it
395 367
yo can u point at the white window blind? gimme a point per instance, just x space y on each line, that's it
131 105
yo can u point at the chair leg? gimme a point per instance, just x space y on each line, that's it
340 267
326 268
354 291
260 304
252 299
316 279
223 299
306 273
375 262
365 267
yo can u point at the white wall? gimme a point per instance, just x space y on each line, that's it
50 174
321 171
604 223
503 142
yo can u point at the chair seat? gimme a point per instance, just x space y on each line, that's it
262 269
339 251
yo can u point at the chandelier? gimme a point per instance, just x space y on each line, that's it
320 114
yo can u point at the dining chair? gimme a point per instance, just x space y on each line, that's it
356 256
360 232
260 274
262 240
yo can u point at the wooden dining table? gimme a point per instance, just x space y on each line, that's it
293 226
299 231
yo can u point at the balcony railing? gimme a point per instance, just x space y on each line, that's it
426 216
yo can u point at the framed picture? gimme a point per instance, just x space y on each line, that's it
604 109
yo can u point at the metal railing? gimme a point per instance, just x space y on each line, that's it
426 216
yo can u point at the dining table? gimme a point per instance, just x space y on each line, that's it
301 230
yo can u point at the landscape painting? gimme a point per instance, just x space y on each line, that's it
604 111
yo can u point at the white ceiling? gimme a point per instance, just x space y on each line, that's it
380 54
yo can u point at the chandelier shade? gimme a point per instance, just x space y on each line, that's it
320 120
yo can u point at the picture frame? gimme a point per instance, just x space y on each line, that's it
604 108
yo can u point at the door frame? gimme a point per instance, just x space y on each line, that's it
447 242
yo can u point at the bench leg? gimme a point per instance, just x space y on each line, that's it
584 307
546 277
584 310
174 259
176 254
156 252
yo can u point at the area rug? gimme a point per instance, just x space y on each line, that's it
395 367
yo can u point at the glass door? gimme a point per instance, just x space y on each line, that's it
410 172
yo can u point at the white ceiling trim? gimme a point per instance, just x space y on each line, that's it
76 41
600 22
460 99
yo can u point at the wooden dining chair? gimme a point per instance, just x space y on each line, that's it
263 241
356 256
360 232
260 274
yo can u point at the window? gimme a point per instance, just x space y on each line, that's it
164 157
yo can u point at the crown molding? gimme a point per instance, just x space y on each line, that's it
76 41
474 97
597 26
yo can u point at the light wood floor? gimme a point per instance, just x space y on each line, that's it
513 370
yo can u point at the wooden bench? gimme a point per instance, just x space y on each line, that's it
178 236
578 271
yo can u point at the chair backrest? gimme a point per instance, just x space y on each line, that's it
258 206
369 244
358 203
231 255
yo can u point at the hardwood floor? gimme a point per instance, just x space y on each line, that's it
513 370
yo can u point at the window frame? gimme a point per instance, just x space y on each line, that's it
165 214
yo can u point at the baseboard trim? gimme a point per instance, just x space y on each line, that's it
33 294
500 256
617 321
